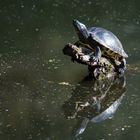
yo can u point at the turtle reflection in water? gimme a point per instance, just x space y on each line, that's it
94 102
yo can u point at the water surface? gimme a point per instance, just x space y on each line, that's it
36 79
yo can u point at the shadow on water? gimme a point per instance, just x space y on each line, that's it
94 101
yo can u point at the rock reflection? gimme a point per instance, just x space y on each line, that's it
94 101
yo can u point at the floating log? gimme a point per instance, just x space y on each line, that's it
80 54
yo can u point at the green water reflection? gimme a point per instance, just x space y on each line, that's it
36 79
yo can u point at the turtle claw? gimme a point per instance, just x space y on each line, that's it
94 59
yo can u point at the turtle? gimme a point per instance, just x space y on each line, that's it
101 42
98 104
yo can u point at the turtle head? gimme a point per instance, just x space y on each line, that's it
81 30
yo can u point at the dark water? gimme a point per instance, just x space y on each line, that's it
40 88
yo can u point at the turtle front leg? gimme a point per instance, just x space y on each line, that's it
122 66
94 53
93 56
97 55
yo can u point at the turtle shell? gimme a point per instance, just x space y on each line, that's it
108 40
